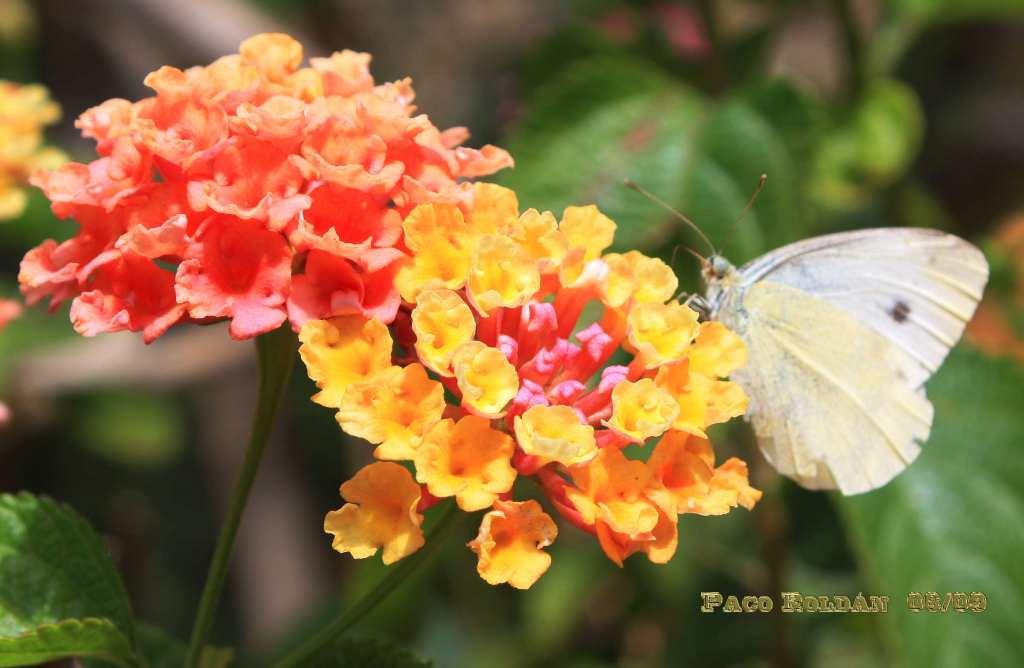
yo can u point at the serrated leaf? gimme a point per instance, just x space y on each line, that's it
90 637
954 521
368 653
56 571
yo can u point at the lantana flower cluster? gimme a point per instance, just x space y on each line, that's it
252 189
25 110
523 350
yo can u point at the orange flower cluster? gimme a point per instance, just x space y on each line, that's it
516 317
998 325
24 111
252 189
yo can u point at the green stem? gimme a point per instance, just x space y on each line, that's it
276 355
310 649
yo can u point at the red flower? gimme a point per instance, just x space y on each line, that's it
251 189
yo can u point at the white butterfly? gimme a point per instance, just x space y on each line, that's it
842 331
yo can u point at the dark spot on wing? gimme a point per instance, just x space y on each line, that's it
900 311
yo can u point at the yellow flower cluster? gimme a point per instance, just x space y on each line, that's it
24 111
493 317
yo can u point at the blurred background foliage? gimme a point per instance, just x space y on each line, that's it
861 112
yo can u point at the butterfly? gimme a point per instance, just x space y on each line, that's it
842 333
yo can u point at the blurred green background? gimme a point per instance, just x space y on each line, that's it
861 113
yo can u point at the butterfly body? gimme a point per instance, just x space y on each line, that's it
842 331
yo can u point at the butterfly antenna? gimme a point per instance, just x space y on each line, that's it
672 263
632 185
761 182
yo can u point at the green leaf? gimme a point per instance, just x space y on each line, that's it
90 637
872 149
954 521
368 653
610 118
61 595
598 123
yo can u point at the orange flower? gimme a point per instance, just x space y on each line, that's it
555 434
381 513
683 467
467 459
996 327
511 542
442 322
394 409
610 494
661 333
487 380
342 351
642 410
271 191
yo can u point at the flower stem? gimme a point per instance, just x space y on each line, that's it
275 352
310 649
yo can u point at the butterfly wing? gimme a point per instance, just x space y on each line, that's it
827 402
914 286
843 331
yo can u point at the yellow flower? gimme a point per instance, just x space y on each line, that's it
661 333
381 513
468 460
275 54
442 322
24 111
342 351
442 244
724 399
537 234
586 232
501 274
393 410
717 351
586 228
555 434
486 378
510 543
676 379
635 276
495 208
702 401
730 487
642 410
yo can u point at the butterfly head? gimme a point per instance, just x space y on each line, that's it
716 269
